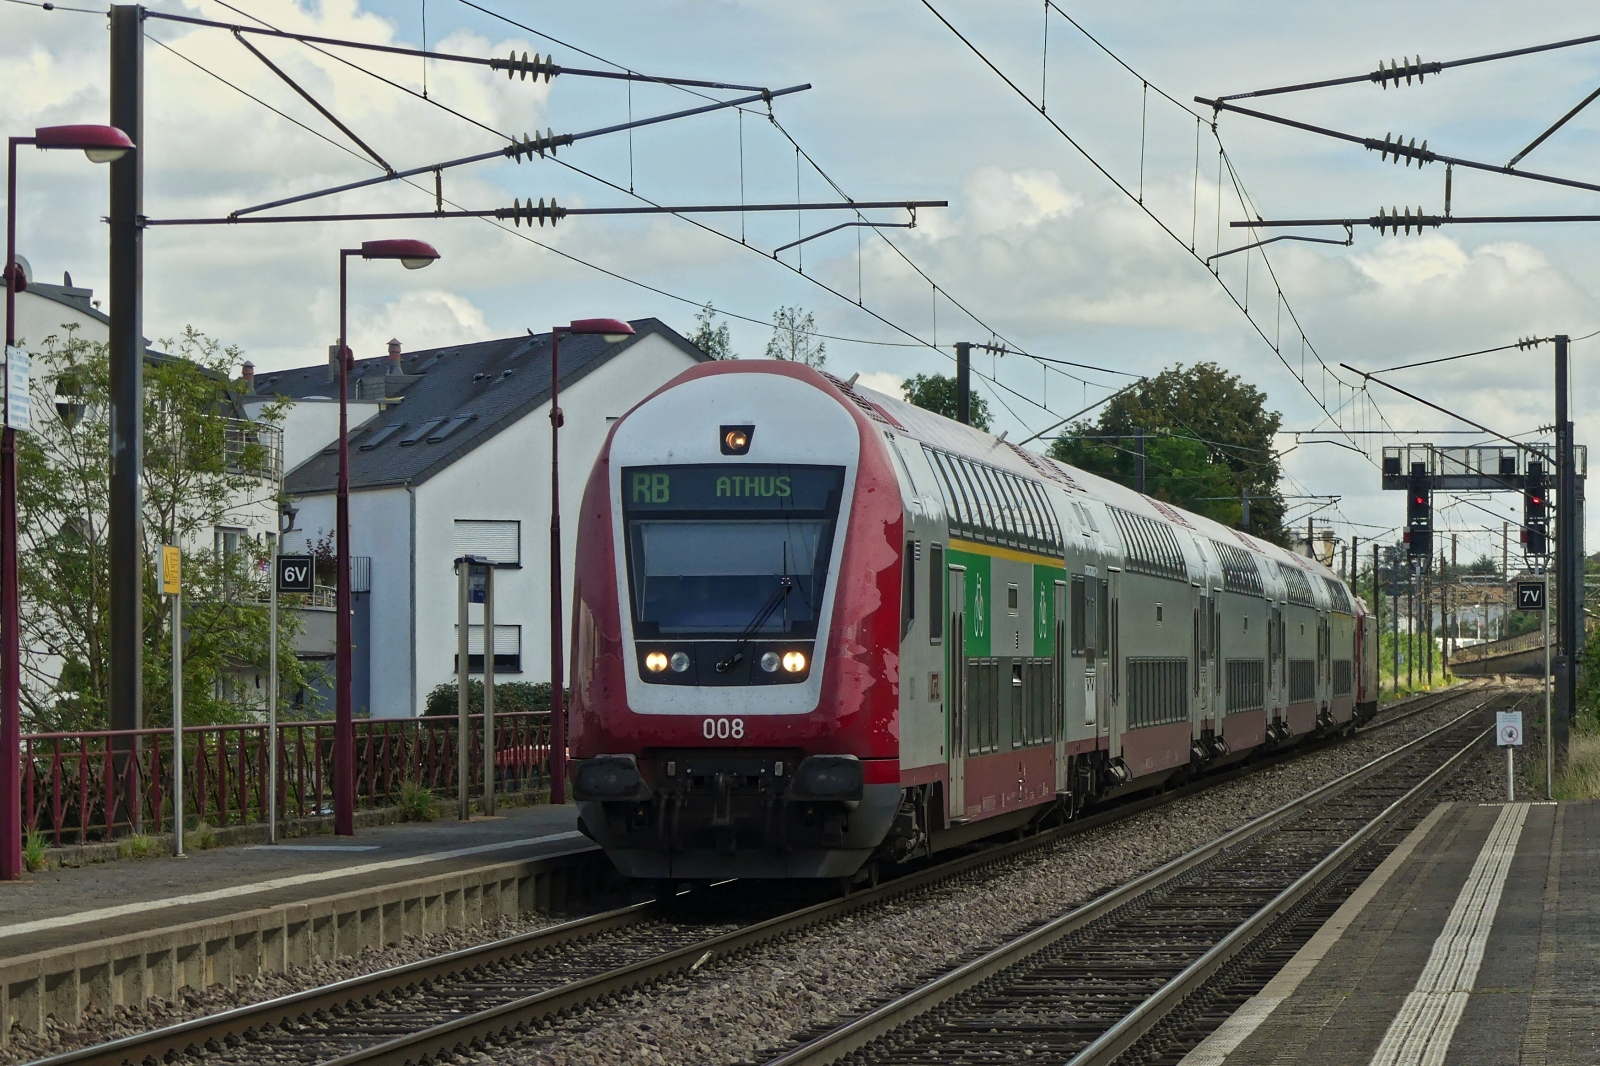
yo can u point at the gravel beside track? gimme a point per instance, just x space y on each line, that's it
734 1010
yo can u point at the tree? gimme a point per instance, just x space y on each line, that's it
1229 451
201 466
794 338
937 393
713 340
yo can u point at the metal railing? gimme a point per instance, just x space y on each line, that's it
253 448
84 787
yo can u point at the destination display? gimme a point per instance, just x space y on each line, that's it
731 487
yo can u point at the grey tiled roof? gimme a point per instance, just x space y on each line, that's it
487 386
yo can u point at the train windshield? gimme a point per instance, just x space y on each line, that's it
729 550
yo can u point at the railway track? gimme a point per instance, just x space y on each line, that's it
473 997
1145 971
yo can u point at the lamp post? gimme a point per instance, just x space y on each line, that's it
101 144
413 255
613 330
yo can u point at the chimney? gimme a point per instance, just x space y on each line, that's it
249 372
333 361
394 356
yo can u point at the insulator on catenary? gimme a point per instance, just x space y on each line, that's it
1397 148
1395 71
1524 343
513 66
539 144
1395 221
520 212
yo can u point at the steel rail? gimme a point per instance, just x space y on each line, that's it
861 1031
224 1028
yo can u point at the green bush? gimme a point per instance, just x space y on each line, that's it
508 696
417 802
137 846
202 838
33 851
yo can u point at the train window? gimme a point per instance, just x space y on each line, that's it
936 580
955 492
908 590
1079 612
724 549
982 520
1011 597
1158 614
1102 603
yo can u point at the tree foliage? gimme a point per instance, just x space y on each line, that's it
794 337
937 393
201 468
710 336
1208 440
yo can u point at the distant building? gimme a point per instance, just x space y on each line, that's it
449 456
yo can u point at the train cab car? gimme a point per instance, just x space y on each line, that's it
737 613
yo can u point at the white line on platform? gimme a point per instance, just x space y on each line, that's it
1215 1049
1420 1034
103 913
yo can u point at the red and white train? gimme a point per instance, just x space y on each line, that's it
816 628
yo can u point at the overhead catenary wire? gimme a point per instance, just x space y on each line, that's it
1130 194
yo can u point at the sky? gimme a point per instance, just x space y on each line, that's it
1068 235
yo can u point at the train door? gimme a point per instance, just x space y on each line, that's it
1275 646
1058 688
955 690
1202 655
1091 647
1111 688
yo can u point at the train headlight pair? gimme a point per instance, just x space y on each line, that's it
657 661
792 661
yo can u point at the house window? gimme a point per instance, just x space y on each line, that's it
500 542
507 649
228 543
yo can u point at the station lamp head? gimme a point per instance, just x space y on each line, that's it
413 255
102 144
613 330
735 440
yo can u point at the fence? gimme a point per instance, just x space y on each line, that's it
78 787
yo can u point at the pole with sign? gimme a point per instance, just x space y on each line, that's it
172 585
1508 734
1535 596
294 574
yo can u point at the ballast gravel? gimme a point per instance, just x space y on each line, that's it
746 1010
741 1010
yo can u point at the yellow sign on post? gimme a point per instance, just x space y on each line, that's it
171 570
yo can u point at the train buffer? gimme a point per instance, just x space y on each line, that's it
1475 942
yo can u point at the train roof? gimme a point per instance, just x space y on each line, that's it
946 433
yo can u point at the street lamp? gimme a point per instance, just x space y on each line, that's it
613 330
101 144
413 255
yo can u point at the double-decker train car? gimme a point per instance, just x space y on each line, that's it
817 628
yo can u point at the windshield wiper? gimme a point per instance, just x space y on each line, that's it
785 586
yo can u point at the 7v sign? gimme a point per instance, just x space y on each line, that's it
1530 595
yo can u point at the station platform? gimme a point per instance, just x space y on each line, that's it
69 906
1476 942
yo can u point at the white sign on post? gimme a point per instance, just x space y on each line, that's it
18 407
1508 728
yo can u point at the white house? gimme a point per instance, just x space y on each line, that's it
449 456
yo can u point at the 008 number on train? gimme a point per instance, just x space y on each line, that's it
723 728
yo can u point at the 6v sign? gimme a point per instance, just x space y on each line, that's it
295 573
1530 595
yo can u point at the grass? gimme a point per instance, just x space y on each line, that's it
137 846
201 838
33 852
1582 779
417 802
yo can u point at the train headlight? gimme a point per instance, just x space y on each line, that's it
735 440
794 661
656 661
680 662
769 662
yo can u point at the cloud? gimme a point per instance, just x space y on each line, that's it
419 320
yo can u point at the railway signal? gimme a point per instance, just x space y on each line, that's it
1419 517
1535 512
